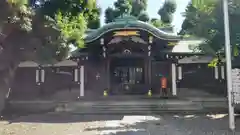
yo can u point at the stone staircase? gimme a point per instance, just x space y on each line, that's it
142 107
121 106
127 108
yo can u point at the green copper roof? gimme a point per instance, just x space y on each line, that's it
129 22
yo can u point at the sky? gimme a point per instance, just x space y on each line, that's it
153 7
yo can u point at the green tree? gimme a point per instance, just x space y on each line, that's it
123 7
143 17
136 8
110 15
205 20
88 8
167 10
166 15
158 23
39 32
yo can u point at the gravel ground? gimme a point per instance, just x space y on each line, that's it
56 124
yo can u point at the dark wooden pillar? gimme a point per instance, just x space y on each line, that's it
108 73
146 76
150 72
150 62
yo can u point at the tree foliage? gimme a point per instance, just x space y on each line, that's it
122 7
88 8
138 6
16 26
143 17
167 10
205 20
135 8
52 24
158 23
40 30
43 30
110 15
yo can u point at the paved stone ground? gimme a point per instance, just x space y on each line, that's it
65 124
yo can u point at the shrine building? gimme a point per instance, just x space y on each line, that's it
128 56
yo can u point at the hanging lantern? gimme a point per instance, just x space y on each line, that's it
76 75
223 72
104 48
149 47
179 73
37 75
104 51
102 41
149 53
42 75
150 39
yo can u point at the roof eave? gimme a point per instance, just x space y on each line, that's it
90 37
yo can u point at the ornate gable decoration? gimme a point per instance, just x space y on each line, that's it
121 39
126 33
138 40
116 40
127 51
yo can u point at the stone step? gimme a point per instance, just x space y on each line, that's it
126 111
141 111
131 107
134 108
108 107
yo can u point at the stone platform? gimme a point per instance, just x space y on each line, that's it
189 100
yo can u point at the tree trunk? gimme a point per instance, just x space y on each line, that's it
6 80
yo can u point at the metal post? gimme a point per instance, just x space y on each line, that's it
81 81
174 85
228 65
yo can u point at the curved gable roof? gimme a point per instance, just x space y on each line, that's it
129 23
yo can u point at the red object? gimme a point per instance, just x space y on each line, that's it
163 82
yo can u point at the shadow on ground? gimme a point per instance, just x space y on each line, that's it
61 118
139 125
171 125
